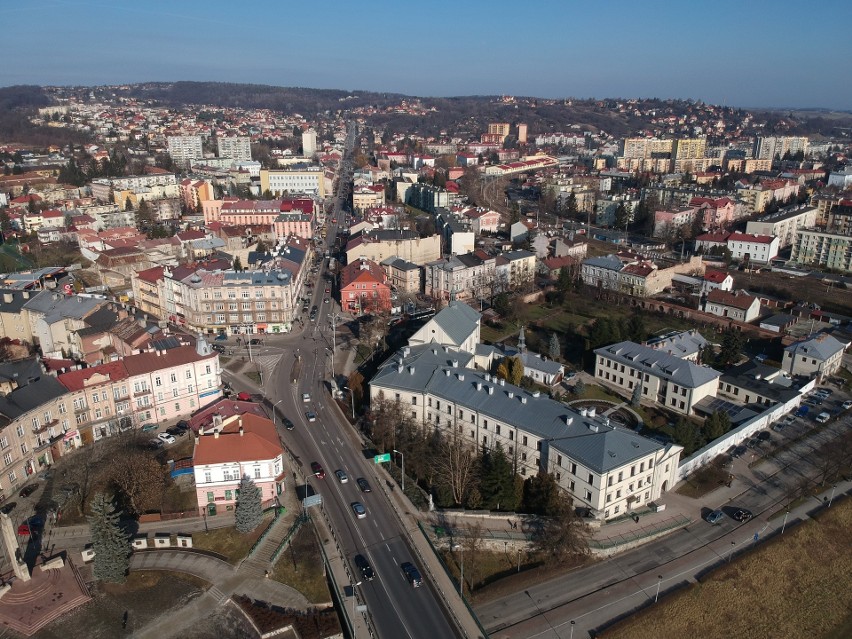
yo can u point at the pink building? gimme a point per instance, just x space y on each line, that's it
483 220
718 212
243 445
287 217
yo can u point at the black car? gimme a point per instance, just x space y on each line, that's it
412 574
364 567
363 485
742 515
8 507
174 431
739 451
26 491
288 424
218 348
255 341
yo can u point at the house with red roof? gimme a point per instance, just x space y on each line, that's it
364 288
747 247
714 279
233 447
738 305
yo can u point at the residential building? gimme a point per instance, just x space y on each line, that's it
601 466
460 276
751 248
235 148
772 147
378 245
13 323
514 270
309 180
816 356
634 274
194 192
482 220
737 306
540 369
53 317
669 381
714 279
309 143
667 222
821 248
287 217
785 224
35 425
242 445
183 148
247 302
752 383
368 196
364 288
403 276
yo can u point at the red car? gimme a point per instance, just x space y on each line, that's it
243 396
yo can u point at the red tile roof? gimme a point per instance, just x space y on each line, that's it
747 237
76 380
258 441
717 277
735 300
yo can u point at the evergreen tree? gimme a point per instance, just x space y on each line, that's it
249 511
686 435
636 399
555 347
238 264
497 480
717 425
731 349
579 387
571 209
109 541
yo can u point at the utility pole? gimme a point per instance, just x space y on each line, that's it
333 317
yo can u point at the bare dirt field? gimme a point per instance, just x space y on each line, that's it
798 586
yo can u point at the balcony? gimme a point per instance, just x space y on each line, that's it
144 391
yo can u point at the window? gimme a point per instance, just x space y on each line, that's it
12 477
591 479
650 463
620 476
20 430
257 472
210 498
609 481
573 469
525 440
7 459
62 409
587 494
158 381
207 477
608 497
95 398
632 471
177 407
414 400
616 509
189 373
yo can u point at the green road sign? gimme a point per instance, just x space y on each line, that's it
380 459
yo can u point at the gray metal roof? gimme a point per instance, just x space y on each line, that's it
457 320
821 346
608 262
55 306
680 371
26 398
682 344
429 369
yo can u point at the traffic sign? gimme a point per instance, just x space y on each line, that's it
312 500
380 459
756 536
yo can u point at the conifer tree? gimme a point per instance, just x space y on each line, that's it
109 541
249 511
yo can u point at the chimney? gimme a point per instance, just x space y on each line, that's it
568 420
523 400
479 386
490 390
461 377
201 430
7 297
241 431
411 370
215 434
510 394
447 372
455 363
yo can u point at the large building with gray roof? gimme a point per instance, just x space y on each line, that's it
605 468
665 379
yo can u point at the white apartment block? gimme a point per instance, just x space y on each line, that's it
785 225
236 148
280 181
183 148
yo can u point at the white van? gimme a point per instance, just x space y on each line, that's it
822 418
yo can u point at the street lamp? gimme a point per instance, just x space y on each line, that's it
461 580
403 469
333 317
354 598
572 629
731 554
784 525
659 581
273 410
831 499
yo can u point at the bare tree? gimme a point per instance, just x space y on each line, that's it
140 478
456 464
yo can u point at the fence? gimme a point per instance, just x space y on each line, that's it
644 532
276 514
301 519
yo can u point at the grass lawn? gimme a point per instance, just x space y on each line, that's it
254 376
798 586
703 481
228 542
300 566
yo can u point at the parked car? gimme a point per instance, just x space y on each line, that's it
26 491
255 342
363 485
822 418
764 436
31 526
364 567
742 515
8 507
288 424
317 470
342 477
359 510
147 428
715 517
244 396
847 404
46 474
174 431
166 438
221 337
412 574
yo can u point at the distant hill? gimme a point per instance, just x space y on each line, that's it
258 96
17 103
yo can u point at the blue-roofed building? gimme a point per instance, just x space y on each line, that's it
678 384
605 468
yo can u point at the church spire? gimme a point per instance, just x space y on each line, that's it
522 342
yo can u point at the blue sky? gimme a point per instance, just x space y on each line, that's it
745 53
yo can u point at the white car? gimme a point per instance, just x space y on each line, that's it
166 438
847 404
306 397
